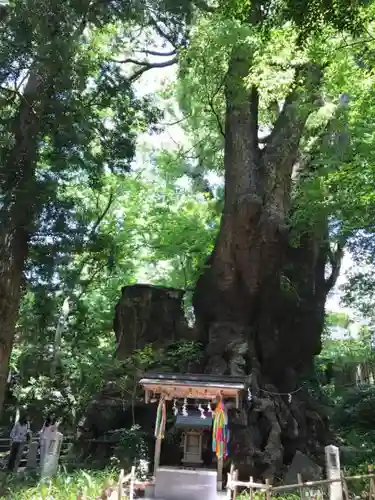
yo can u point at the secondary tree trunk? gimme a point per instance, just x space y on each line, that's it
260 303
17 214
21 195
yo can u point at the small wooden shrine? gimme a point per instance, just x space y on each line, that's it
194 426
198 403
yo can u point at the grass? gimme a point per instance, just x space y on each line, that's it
261 496
64 486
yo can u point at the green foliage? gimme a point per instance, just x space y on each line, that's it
132 446
349 402
343 15
64 486
259 496
180 354
357 410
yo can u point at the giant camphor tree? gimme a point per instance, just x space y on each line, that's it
277 80
271 93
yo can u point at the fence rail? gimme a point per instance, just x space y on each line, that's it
233 485
5 448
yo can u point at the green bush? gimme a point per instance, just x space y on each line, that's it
261 496
63 486
357 409
132 446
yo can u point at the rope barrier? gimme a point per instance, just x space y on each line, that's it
282 393
289 394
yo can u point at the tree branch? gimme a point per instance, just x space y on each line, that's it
91 234
63 317
305 157
242 156
160 31
176 122
130 60
3 13
335 259
212 106
182 264
146 66
279 155
104 213
254 111
88 282
159 54
299 104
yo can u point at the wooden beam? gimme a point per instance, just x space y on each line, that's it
207 394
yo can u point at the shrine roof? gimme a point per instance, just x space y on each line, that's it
193 380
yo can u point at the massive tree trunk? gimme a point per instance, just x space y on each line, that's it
17 212
260 303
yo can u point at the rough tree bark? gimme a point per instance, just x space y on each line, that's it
20 197
147 314
253 323
17 212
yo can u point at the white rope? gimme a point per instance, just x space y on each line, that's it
289 394
282 393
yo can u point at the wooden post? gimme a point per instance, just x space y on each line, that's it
220 463
235 479
230 481
131 486
200 450
251 491
120 484
372 488
345 488
157 454
370 491
299 479
268 489
229 486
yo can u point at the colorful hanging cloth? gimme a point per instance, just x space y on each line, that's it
161 419
220 431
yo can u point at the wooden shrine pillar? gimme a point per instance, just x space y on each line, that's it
220 463
157 454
